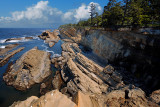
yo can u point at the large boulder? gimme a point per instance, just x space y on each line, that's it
50 37
31 68
50 99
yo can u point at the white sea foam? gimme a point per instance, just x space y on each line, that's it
2 41
2 47
56 55
15 41
42 30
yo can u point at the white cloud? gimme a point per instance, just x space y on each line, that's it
39 11
83 11
42 14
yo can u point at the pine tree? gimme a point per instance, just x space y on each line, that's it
92 12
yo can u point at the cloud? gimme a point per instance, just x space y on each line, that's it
83 11
42 15
39 11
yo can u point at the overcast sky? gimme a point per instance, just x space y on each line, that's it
45 13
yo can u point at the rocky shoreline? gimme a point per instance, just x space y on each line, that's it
78 80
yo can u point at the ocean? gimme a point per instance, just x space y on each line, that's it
9 94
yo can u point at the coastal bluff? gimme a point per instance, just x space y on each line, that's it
137 52
78 77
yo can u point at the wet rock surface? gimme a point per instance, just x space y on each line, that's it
31 68
13 39
3 51
10 54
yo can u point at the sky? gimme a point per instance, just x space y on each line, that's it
45 13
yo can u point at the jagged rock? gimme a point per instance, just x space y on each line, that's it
108 69
7 48
58 62
114 80
50 37
28 37
31 68
72 48
57 81
46 86
84 100
155 96
128 47
90 74
50 99
51 44
128 98
76 79
68 40
7 57
117 76
88 64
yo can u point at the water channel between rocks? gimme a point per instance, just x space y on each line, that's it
9 94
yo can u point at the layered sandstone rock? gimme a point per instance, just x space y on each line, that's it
50 99
7 48
31 68
7 57
76 69
137 53
78 80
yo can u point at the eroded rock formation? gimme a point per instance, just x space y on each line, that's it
31 68
50 37
7 57
137 53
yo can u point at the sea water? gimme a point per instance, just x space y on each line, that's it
9 94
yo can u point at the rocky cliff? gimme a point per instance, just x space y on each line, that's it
137 53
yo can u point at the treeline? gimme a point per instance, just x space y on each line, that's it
131 13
